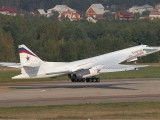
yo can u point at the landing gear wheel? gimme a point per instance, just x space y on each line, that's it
93 79
87 79
73 80
97 79
78 80
82 80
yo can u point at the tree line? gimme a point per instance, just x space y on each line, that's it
53 40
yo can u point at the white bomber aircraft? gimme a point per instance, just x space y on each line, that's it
82 70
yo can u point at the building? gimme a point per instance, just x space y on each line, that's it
8 10
141 9
95 11
90 19
60 9
75 16
70 14
154 15
39 12
64 12
124 15
148 7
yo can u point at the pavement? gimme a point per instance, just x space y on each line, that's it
66 92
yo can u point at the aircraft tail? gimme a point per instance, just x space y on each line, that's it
27 57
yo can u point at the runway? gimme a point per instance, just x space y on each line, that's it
66 92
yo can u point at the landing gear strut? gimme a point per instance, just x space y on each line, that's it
93 79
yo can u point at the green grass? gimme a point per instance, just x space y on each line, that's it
132 110
148 72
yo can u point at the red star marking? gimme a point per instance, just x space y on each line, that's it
27 58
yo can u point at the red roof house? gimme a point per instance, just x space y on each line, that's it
8 10
70 14
95 11
154 15
124 15
75 16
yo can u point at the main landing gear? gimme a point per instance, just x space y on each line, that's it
93 79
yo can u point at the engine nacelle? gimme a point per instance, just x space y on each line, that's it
84 73
93 72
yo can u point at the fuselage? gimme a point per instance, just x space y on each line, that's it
53 69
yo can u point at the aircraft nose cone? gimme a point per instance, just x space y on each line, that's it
156 48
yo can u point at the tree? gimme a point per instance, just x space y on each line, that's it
6 47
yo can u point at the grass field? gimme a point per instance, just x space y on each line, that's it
133 110
148 72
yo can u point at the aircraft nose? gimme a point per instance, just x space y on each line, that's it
150 50
156 49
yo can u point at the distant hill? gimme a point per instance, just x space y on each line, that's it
80 5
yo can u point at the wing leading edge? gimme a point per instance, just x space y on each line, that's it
120 67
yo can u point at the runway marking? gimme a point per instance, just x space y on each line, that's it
42 90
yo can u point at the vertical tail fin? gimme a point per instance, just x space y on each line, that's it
27 56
